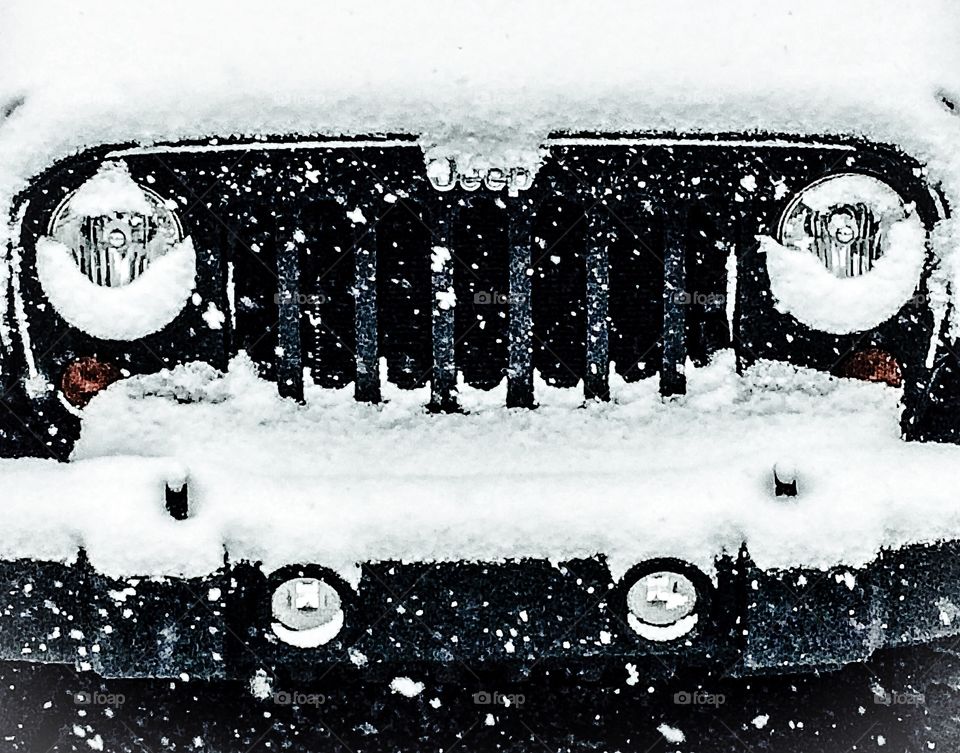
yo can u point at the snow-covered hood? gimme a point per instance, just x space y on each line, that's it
475 76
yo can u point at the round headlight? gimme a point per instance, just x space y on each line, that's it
307 612
114 262
662 605
115 228
844 221
848 255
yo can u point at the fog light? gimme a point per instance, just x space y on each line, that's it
661 606
308 612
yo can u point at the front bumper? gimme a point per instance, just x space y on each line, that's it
511 616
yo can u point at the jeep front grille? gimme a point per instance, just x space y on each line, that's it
621 256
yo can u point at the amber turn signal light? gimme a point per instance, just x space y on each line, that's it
85 377
872 365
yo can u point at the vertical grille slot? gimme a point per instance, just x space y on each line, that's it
520 369
255 272
706 277
750 287
636 293
326 296
672 378
559 294
404 294
443 385
481 278
289 353
596 383
367 386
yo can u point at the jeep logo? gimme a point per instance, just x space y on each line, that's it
444 176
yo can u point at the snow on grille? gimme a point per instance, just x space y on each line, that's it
338 482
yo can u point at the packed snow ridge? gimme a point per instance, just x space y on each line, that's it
633 479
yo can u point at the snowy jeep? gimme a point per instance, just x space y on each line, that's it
298 378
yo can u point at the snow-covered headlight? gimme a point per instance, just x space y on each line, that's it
844 221
307 612
848 254
114 262
114 228
662 605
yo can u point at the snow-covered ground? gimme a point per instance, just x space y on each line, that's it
337 482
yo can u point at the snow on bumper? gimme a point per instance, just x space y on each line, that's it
337 483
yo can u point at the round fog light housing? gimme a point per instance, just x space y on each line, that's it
661 606
307 612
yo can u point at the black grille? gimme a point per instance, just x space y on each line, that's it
559 279
557 291
617 258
